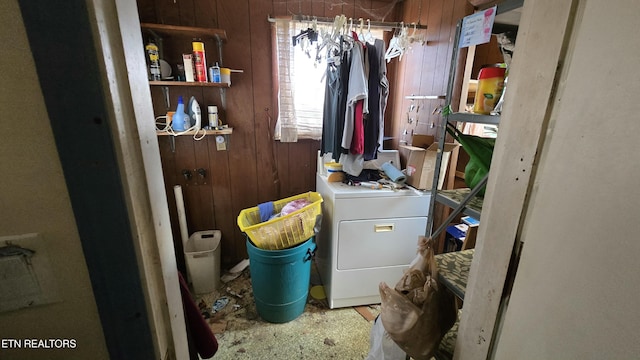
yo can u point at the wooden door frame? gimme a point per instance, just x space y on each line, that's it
92 72
541 44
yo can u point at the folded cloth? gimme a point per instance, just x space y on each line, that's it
266 210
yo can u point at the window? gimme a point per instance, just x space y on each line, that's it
301 71
301 83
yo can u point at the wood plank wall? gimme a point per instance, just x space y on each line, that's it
255 168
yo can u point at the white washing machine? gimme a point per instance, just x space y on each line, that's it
367 236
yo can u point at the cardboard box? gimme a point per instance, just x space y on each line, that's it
417 140
422 141
421 165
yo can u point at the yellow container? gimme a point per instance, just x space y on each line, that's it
490 85
285 231
225 75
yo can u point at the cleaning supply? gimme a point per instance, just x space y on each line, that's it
195 117
212 112
214 72
199 61
178 120
153 60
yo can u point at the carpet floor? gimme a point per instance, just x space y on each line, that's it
319 333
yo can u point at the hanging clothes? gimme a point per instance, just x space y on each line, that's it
355 100
378 93
353 163
335 100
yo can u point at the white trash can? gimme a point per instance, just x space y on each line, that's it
202 253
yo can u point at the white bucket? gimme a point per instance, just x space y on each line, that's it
202 253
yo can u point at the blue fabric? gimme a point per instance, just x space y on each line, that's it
266 210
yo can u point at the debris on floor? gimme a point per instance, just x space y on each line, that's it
235 271
219 304
232 316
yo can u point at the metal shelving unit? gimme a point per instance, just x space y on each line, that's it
460 200
453 198
475 118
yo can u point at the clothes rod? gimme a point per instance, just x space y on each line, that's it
425 97
328 20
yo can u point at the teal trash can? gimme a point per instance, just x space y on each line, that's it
280 280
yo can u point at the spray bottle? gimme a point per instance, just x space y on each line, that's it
153 61
178 121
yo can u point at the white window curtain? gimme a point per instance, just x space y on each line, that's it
301 84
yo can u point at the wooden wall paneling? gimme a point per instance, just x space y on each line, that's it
225 219
206 13
445 37
282 152
262 97
413 62
293 7
147 11
413 54
384 10
167 12
206 216
410 11
333 8
349 10
306 7
240 112
362 10
486 54
183 159
280 8
301 167
187 13
433 20
318 8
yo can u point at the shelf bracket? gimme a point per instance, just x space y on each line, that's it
165 92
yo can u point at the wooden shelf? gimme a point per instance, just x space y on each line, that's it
228 131
190 83
185 31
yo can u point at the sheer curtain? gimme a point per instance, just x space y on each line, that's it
301 84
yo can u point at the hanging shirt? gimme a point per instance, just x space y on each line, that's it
353 163
357 91
337 83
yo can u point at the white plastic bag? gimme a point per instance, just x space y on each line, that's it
382 346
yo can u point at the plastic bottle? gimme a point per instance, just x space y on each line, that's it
199 61
215 73
178 120
154 61
490 85
212 111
